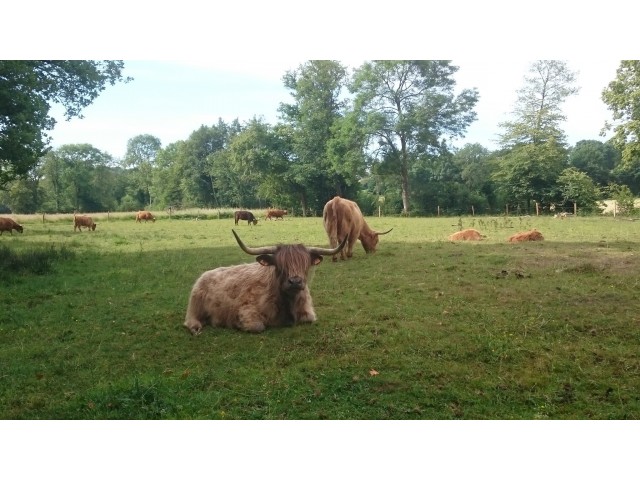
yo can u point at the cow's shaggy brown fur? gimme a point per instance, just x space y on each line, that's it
144 215
275 214
80 221
530 236
251 297
468 234
9 225
342 218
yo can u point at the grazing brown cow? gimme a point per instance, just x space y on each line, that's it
80 221
530 236
9 225
468 234
275 214
342 218
273 291
245 215
144 215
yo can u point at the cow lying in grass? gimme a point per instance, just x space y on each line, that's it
468 234
530 236
80 221
9 225
250 297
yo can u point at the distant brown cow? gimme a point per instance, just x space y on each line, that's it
275 214
468 234
144 215
80 221
274 291
9 225
530 236
245 215
342 218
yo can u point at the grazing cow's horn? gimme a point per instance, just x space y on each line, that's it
254 251
383 233
328 251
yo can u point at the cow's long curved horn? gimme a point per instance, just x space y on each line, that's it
384 233
254 251
328 251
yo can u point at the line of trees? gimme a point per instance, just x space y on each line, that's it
381 135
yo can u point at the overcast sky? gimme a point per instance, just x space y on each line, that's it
171 99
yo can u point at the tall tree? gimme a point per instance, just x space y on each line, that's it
622 96
534 151
409 108
316 88
140 159
538 113
27 88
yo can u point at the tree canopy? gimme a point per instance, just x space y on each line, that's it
409 110
27 90
381 135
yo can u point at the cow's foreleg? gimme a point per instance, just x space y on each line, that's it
302 308
250 321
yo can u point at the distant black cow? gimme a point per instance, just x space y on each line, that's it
245 215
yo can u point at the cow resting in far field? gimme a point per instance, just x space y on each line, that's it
342 218
275 214
530 236
80 221
468 234
144 215
274 291
9 225
245 215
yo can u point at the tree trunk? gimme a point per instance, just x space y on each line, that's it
404 173
303 203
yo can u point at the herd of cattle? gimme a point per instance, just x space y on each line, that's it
274 290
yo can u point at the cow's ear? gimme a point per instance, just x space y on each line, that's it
265 260
316 259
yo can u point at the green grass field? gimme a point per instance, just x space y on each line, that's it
422 329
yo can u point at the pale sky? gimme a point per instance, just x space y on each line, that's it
194 63
171 99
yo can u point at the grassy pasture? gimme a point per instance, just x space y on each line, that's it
423 329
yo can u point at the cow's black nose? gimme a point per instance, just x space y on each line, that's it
296 282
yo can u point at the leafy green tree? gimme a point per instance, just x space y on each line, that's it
596 159
27 88
53 170
194 157
241 171
529 172
534 151
316 88
577 187
81 161
408 108
473 161
167 176
624 198
538 113
622 96
139 160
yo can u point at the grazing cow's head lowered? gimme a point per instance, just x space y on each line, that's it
342 218
272 292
